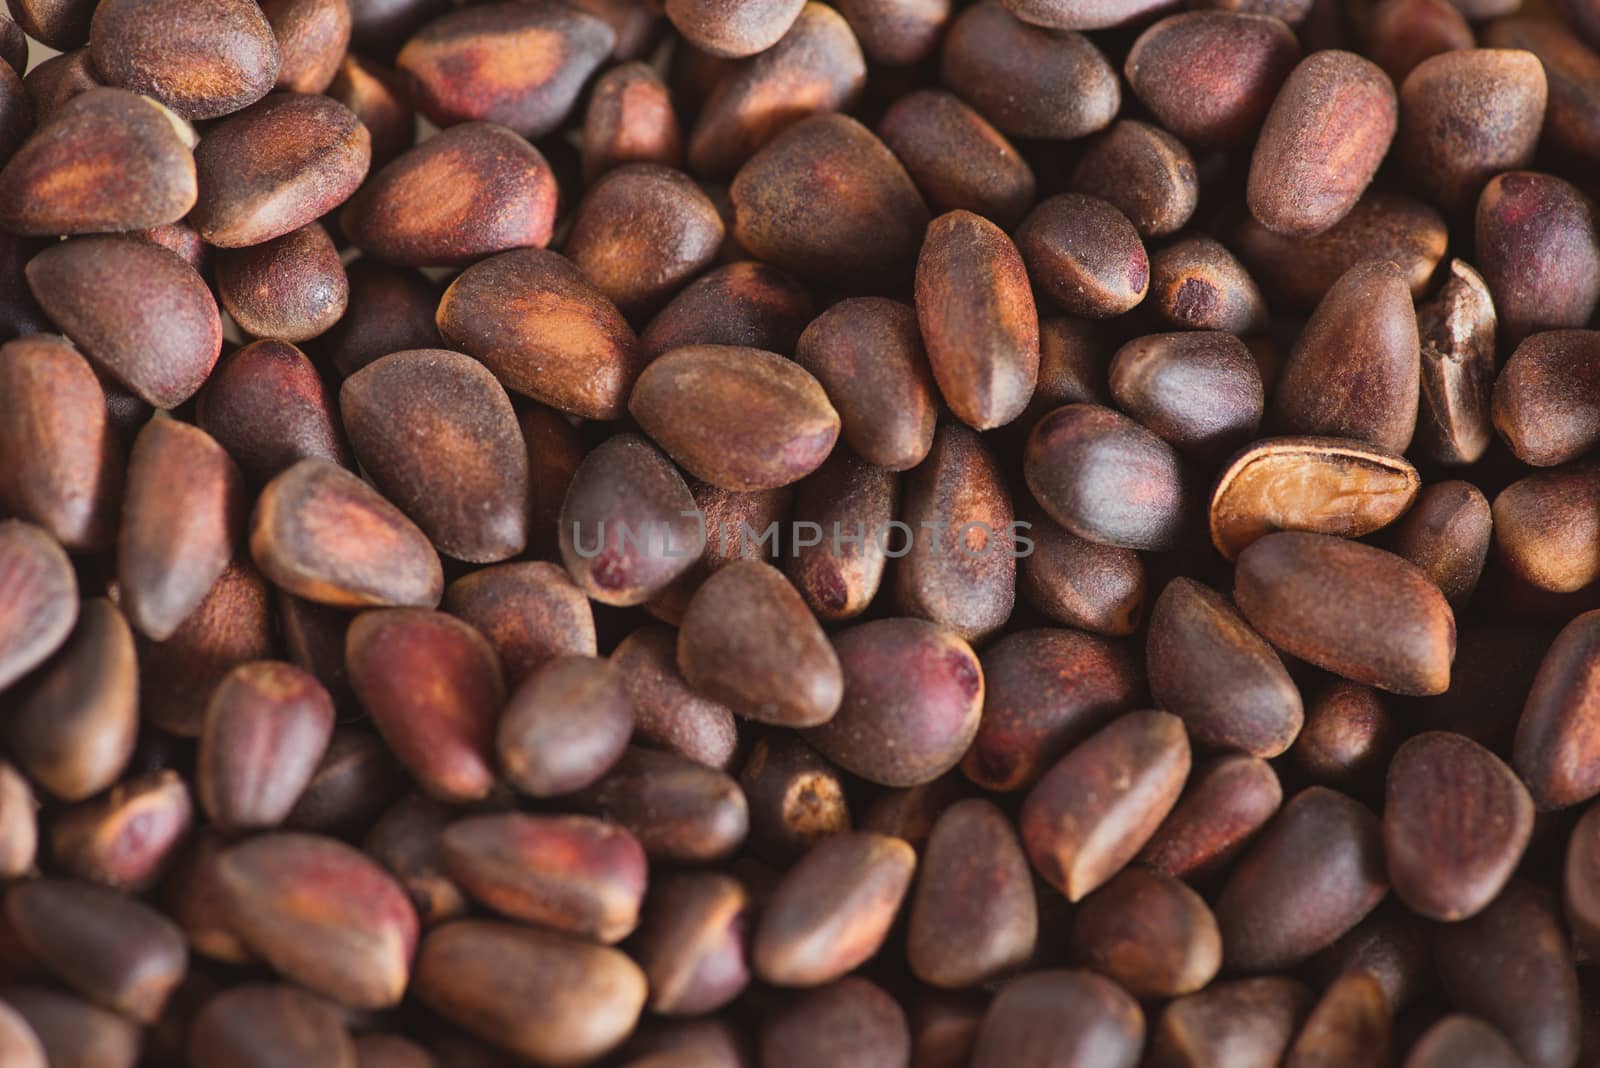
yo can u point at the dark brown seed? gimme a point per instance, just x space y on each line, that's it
1511 965
667 712
125 839
1349 608
827 200
843 506
267 727
474 190
1096 808
909 812
1539 252
1547 529
1028 80
1199 390
1348 739
1349 1027
380 27
978 320
973 916
897 32
1149 932
958 566
833 909
1391 944
641 232
322 914
1322 485
1578 884
1312 875
13 45
1462 1042
1097 588
183 239
1547 398
57 80
1447 535
291 288
267 406
749 641
1466 116
1208 666
320 155
628 526
741 419
1572 72
544 996
61 464
564 726
203 60
1196 284
1355 369
433 688
554 453
258 1024
108 160
313 638
437 434
1105 478
545 331
357 779
518 65
1400 34
74 1033
232 625
1381 226
192 897
1457 330
1554 752
16 113
1247 1023
815 67
630 120
38 598
867 353
1329 128
1045 691
76 726
61 24
391 309
681 811
732 32
1084 255
113 950
1210 76
20 314
530 612
408 840
691 942
312 37
958 160
575 874
183 514
1224 804
321 533
913 693
1142 171
1060 1019
744 303
737 526
377 96
103 291
796 797
391 1051
1455 823
19 824
849 1024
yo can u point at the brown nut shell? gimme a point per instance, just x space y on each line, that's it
201 60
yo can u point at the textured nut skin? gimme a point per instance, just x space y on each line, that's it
1321 143
959 161
1544 528
1200 389
312 37
1539 252
1210 76
1142 171
978 320
1084 255
516 65
1224 804
278 1024
1546 400
1247 1023
201 60
108 160
1553 751
564 726
630 120
731 33
1149 932
473 190
292 288
1060 1017
267 405
1457 330
1097 807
